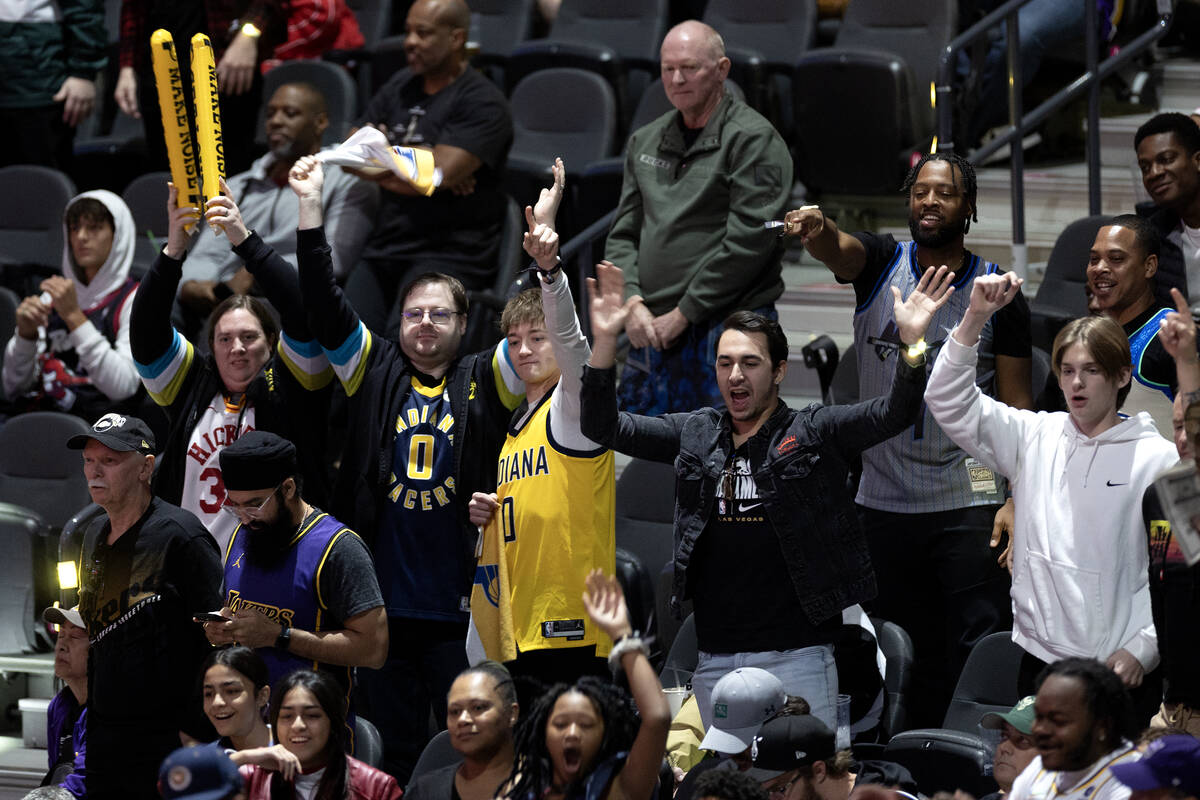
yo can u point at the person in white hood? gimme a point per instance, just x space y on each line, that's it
70 351
1079 550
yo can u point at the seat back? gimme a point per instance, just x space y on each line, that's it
778 29
633 28
387 58
334 83
1062 295
437 754
70 547
645 512
897 648
498 26
37 470
368 744
943 760
485 306
915 30
32 201
20 530
146 197
988 682
8 318
639 597
374 19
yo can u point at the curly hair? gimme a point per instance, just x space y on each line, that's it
533 772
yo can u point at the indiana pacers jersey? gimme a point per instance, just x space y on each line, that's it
420 556
921 469
555 523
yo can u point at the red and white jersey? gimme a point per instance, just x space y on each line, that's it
218 425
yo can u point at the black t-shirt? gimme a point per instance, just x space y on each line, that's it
348 581
1175 600
744 599
1011 337
471 114
137 597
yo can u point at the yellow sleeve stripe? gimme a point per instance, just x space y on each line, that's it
349 360
306 361
164 378
321 564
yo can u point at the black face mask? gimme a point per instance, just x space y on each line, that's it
268 542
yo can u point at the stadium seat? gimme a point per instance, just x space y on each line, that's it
885 58
374 20
589 34
368 744
387 58
943 760
763 39
437 754
897 648
563 112
485 306
497 27
146 196
645 512
334 82
37 470
32 202
8 317
70 547
988 682
23 533
1062 295
639 598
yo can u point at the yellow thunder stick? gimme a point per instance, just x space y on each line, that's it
177 127
208 117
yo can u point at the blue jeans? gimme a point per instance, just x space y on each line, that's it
808 672
679 379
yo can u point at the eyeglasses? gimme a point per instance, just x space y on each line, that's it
248 512
438 316
782 789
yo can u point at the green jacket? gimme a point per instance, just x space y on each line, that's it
38 53
689 227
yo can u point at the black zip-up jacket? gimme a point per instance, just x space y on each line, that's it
799 460
281 404
480 416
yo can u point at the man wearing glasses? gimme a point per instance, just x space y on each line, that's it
147 567
300 586
425 429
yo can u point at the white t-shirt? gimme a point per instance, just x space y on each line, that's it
1188 240
1095 782
306 785
218 425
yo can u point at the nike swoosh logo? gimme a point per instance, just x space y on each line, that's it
743 508
1110 483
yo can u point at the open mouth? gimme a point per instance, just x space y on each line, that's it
572 758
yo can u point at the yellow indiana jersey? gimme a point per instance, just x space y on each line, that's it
554 525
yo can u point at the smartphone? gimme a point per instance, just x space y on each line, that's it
209 616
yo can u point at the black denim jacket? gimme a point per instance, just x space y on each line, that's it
799 460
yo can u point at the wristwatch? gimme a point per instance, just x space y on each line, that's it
914 354
284 638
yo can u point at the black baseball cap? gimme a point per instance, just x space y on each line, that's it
117 432
786 743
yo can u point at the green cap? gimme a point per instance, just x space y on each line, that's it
1020 717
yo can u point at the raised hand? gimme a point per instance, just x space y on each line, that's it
1177 331
990 293
222 212
609 309
545 210
605 604
178 220
805 222
540 242
307 176
914 313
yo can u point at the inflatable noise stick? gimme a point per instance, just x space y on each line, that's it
177 126
208 117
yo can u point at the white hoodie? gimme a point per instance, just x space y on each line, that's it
1080 584
108 365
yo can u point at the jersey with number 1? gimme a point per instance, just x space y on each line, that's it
418 553
218 426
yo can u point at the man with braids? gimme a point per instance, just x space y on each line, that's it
928 507
584 741
1083 726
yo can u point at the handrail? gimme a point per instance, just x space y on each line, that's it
1021 123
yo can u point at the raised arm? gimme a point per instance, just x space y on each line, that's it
1177 332
605 604
842 253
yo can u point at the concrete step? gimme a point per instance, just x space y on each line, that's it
1116 140
1180 89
